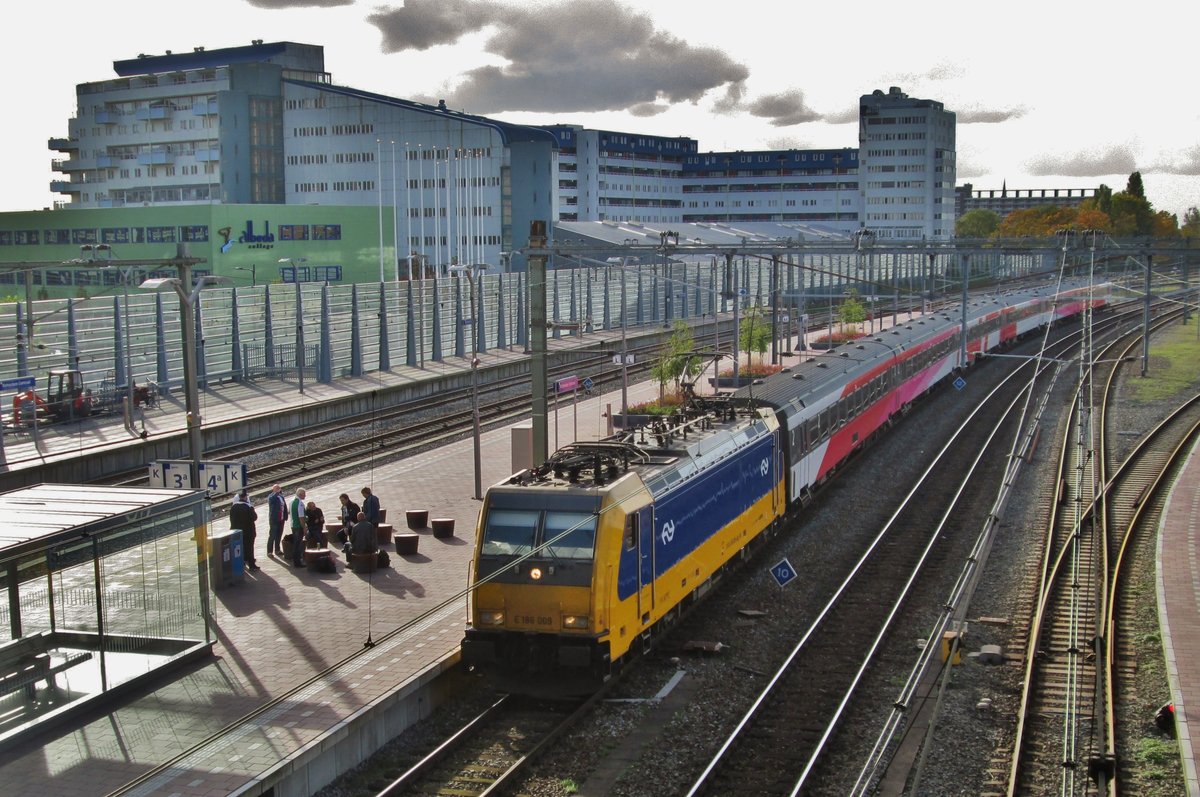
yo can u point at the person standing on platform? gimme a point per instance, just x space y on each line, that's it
296 509
242 517
370 506
350 512
277 515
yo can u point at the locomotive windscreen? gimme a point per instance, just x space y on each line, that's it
563 528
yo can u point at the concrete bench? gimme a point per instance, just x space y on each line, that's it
383 533
364 562
417 518
443 527
407 543
313 557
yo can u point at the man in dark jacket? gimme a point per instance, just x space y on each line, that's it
370 506
277 515
242 516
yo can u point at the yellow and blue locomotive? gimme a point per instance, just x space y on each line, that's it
580 561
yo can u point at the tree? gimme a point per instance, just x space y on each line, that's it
1164 225
1191 222
676 360
852 310
1131 215
1104 198
754 333
977 224
1134 187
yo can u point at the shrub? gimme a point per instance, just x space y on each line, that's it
755 370
660 406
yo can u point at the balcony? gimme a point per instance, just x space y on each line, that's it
156 157
106 117
201 108
211 155
65 187
157 112
64 144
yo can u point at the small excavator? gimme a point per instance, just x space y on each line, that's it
68 399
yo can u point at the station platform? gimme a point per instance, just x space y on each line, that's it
1179 610
293 696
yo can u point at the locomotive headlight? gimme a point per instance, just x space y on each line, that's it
577 621
535 573
491 618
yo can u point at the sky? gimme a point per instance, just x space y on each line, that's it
1047 94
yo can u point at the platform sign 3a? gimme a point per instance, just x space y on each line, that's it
216 477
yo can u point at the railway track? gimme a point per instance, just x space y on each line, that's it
490 751
1066 731
805 702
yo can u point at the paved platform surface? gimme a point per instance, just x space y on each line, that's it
1179 610
285 625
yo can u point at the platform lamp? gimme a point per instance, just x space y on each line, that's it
253 273
187 315
470 272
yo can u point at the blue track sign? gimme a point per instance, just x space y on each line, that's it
19 383
588 384
783 572
960 383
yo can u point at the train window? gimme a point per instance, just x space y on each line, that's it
580 534
509 532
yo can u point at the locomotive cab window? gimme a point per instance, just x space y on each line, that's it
510 532
580 535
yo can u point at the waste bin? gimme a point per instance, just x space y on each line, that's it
227 565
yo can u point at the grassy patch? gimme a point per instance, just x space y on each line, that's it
1173 357
1157 759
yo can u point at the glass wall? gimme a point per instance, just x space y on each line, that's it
96 606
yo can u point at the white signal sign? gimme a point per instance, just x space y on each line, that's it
215 477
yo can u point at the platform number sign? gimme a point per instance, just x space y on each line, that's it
217 478
783 572
960 383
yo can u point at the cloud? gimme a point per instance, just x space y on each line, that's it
1186 164
783 109
570 55
277 4
986 116
422 24
843 117
1117 159
648 109
735 92
786 142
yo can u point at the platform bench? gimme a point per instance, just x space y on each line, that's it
25 661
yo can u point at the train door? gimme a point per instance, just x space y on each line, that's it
644 531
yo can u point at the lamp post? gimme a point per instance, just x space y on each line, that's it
292 261
91 254
187 305
469 272
253 273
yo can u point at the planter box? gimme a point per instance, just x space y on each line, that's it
631 420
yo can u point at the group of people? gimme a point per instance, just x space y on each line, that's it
307 524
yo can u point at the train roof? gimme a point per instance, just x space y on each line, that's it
662 453
820 371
